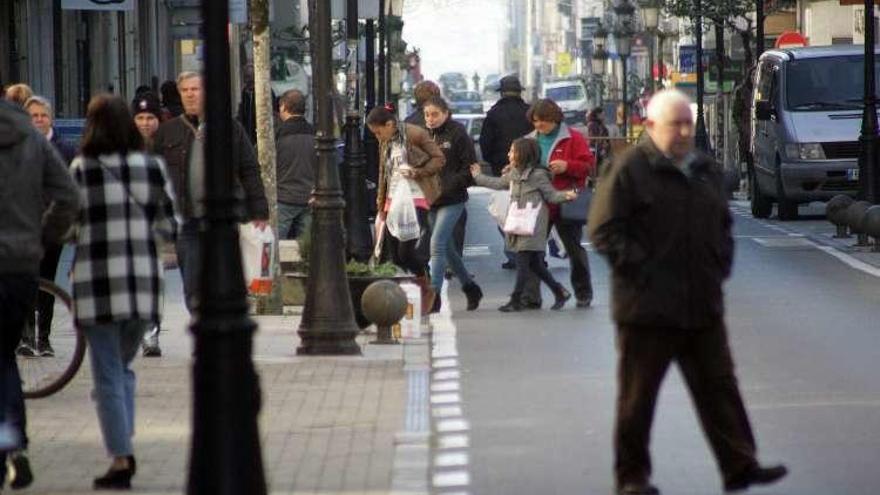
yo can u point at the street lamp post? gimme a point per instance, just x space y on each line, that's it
701 138
224 460
651 18
327 325
623 38
358 238
869 188
599 61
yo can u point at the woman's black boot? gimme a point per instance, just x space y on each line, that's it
474 295
116 479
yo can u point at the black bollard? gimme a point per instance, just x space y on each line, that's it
855 218
836 211
871 224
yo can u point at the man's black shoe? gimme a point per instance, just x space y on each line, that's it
509 265
755 475
531 305
638 489
584 303
20 473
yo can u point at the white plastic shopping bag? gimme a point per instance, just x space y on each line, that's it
522 221
402 220
257 253
499 203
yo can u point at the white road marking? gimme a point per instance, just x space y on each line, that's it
851 261
446 412
453 478
447 375
445 398
451 425
453 442
447 386
452 459
445 363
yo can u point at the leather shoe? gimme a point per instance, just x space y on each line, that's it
531 305
638 489
755 475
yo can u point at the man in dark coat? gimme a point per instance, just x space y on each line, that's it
174 141
295 165
505 121
661 218
38 203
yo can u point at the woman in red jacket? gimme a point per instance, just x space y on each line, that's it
566 153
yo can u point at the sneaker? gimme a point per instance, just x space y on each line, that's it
19 471
509 265
26 350
44 349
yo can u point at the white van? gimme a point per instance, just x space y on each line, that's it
571 96
806 119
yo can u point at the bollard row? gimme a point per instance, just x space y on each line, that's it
856 217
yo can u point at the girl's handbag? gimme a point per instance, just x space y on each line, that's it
522 221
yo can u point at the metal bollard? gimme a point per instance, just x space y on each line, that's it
855 218
871 225
836 211
384 303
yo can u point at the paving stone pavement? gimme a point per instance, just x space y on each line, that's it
328 424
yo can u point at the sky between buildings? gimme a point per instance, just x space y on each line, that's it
456 35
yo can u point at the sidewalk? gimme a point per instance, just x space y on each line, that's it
328 424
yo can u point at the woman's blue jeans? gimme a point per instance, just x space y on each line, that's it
442 220
112 347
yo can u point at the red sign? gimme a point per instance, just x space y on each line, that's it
790 39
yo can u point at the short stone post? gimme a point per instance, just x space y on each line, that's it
384 303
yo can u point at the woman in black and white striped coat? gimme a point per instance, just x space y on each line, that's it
117 272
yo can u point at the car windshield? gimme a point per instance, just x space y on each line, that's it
564 93
465 96
827 83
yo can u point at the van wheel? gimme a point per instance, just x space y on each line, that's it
761 205
786 209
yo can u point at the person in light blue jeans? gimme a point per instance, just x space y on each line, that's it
117 274
113 347
447 209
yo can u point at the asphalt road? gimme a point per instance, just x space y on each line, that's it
538 388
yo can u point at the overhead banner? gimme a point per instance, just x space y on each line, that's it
97 4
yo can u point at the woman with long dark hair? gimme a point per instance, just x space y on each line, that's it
455 177
117 271
408 159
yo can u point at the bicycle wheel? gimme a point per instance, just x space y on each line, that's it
42 376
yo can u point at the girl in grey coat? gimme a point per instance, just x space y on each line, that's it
529 184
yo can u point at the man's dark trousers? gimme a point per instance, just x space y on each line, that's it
16 303
189 260
703 355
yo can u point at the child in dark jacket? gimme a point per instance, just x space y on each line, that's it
529 186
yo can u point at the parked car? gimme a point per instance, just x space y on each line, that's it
465 102
805 124
474 124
